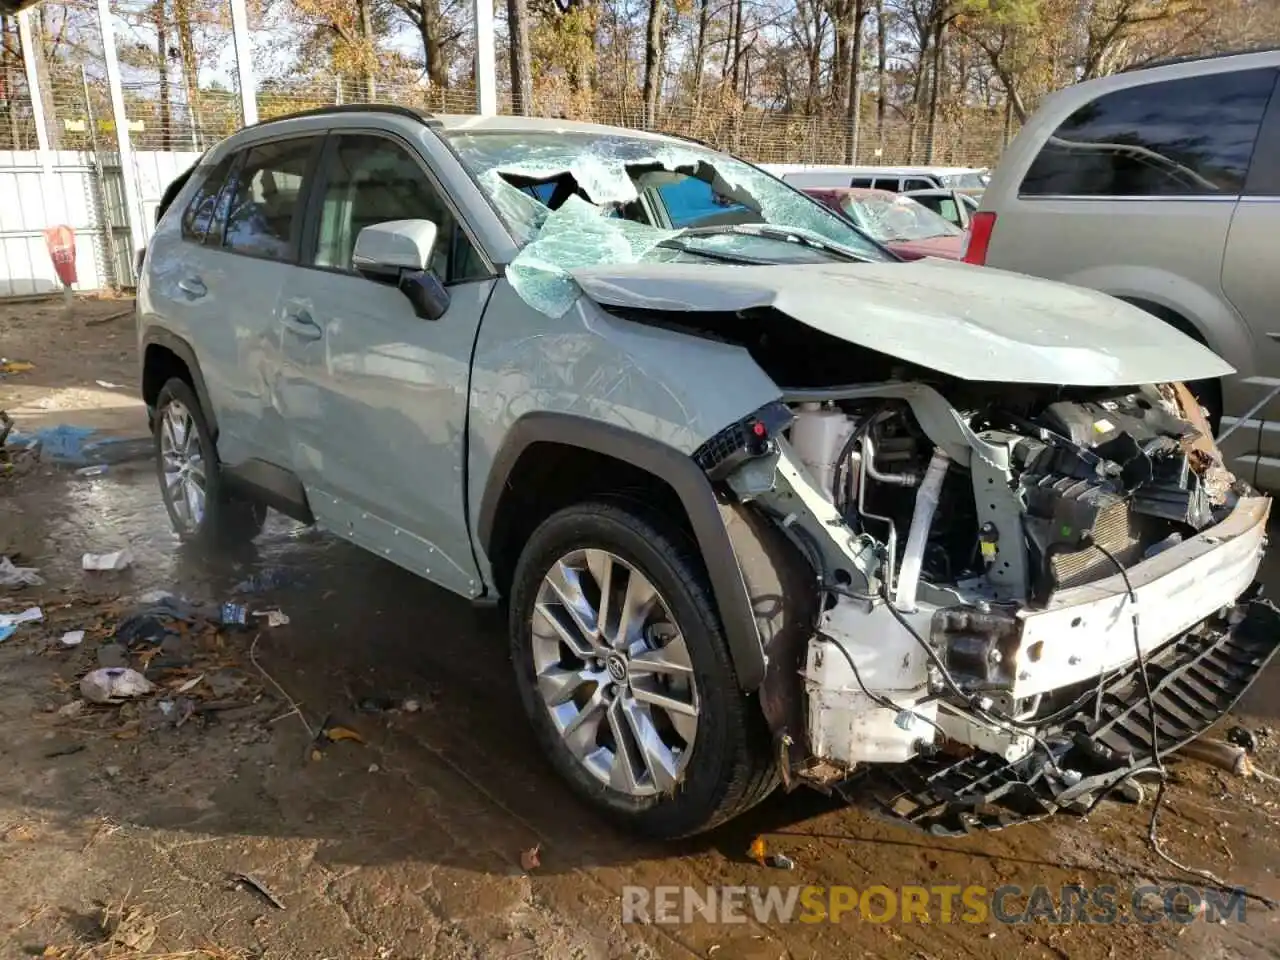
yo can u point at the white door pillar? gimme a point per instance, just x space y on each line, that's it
128 171
486 60
244 63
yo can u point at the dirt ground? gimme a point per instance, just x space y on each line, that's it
407 842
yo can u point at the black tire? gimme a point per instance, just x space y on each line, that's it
731 767
226 521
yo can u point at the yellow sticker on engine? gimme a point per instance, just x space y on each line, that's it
1103 426
988 551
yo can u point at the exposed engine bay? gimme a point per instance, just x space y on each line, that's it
982 557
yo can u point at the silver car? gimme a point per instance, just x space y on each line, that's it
764 504
1159 186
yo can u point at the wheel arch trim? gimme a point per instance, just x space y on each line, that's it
160 337
670 466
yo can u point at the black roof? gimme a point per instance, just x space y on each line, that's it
339 108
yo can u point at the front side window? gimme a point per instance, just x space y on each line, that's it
264 207
1190 137
369 180
918 183
199 212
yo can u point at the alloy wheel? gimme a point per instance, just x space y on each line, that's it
182 464
614 672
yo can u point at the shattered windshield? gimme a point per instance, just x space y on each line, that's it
582 199
891 218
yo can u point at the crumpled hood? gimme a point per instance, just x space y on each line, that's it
970 322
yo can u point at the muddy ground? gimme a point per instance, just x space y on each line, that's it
407 842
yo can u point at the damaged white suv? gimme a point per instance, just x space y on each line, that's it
764 503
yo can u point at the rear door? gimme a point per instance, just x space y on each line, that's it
1250 269
374 397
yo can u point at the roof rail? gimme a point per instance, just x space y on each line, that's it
1196 58
339 108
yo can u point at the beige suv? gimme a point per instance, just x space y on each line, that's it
1161 186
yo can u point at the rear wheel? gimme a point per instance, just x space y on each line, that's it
625 674
199 507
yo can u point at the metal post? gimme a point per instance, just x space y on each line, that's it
128 172
244 68
29 54
104 198
486 60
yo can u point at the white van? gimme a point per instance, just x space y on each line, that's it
895 179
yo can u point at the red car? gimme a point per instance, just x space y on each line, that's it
906 227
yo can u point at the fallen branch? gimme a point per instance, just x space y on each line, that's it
293 704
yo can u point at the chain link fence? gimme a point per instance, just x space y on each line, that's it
169 117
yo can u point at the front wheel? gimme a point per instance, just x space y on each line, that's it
199 507
625 674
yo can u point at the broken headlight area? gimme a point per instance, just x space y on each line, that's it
981 552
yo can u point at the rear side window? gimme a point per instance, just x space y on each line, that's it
199 213
863 182
264 204
1190 137
918 184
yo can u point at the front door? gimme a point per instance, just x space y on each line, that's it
375 397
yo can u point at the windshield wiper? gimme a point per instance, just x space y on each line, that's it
771 231
674 243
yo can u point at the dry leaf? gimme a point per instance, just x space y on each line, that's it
190 684
757 850
128 732
315 755
334 734
529 858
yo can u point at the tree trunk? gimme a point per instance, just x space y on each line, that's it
12 67
431 28
700 50
939 61
653 56
521 64
160 18
190 70
855 81
737 45
366 55
882 72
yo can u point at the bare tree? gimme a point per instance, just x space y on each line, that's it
521 62
654 54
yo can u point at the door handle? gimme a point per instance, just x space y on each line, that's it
302 326
193 287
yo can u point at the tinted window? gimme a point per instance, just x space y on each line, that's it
1179 138
264 207
691 202
863 182
199 212
887 183
918 183
369 180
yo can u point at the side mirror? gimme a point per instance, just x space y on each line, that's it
399 252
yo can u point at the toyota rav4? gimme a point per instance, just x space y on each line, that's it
764 503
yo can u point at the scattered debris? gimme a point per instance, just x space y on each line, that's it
114 685
336 734
250 880
293 704
109 385
191 684
72 638
96 470
235 615
9 621
1224 756
15 366
757 850
779 861
1242 737
374 768
529 859
275 618
63 748
411 705
116 560
71 710
128 927
13 576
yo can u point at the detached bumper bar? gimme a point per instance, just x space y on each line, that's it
1194 679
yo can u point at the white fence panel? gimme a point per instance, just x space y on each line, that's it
71 194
